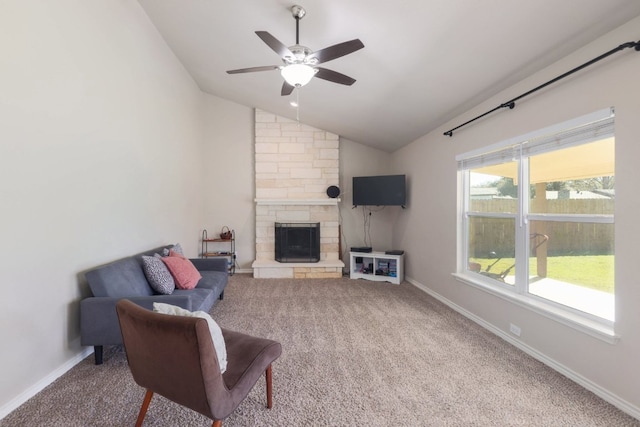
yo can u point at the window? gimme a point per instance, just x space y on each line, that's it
537 218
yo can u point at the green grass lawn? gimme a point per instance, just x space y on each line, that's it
591 271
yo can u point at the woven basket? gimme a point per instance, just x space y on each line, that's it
225 233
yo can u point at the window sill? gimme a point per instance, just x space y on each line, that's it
602 330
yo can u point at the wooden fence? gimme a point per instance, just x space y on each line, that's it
565 238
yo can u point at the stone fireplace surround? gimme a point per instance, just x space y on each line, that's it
294 165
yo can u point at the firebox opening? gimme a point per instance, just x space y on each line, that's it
297 242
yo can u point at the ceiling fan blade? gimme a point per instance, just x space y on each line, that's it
253 69
275 44
286 89
336 51
334 76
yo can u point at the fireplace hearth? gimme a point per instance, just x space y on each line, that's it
297 242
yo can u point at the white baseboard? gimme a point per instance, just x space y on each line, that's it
596 389
40 385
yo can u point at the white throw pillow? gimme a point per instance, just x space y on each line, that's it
214 329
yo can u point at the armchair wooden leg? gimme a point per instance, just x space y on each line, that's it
268 377
143 409
217 423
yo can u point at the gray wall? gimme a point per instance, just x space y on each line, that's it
360 160
229 174
100 158
427 231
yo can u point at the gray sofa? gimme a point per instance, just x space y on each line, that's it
125 278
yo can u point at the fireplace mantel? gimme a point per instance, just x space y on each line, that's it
297 202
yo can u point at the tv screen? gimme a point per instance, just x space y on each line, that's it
383 190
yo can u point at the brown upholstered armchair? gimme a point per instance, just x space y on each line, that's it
175 357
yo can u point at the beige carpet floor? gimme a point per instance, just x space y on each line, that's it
355 353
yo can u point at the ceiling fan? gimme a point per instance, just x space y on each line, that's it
300 62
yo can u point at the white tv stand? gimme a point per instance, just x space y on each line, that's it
376 266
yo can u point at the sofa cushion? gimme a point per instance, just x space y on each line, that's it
158 275
214 329
119 279
199 299
183 271
214 280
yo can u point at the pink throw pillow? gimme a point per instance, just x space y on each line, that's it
185 274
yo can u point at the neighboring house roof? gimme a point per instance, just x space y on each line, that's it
482 192
574 194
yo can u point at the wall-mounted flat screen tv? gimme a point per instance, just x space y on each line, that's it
382 190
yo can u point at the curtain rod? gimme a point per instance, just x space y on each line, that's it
512 103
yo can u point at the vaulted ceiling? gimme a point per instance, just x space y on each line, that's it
424 61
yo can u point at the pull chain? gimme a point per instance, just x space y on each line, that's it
298 105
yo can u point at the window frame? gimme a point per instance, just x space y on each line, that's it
519 293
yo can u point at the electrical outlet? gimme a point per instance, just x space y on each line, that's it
515 330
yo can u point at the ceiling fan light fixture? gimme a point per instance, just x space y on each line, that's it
297 75
300 62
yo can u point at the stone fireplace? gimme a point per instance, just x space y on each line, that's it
294 165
